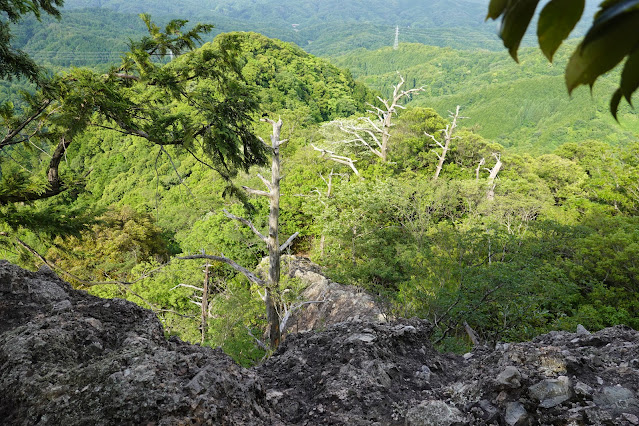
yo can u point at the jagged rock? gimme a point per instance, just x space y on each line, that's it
356 373
340 303
583 390
516 414
72 359
509 377
434 413
551 392
617 400
581 330
67 358
485 411
630 418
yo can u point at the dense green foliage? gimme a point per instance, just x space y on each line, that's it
94 32
290 79
78 38
13 62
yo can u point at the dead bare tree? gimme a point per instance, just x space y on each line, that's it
371 133
385 116
448 137
202 301
493 175
271 285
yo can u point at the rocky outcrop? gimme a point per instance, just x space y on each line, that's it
558 378
72 359
67 358
331 302
356 373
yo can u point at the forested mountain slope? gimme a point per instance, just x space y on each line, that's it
421 13
523 106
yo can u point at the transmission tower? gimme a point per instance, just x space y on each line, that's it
396 45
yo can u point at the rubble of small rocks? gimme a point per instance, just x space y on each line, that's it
355 373
363 373
72 359
558 378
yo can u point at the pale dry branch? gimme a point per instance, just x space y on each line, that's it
259 343
248 274
338 158
245 222
256 192
186 286
265 182
288 242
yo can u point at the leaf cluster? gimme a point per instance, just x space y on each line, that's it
611 39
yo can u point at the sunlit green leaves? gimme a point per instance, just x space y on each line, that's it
556 21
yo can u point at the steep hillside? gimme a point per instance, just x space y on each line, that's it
303 88
80 38
96 31
522 106
305 12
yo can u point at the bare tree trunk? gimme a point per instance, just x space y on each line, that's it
271 285
273 239
273 318
386 125
448 137
385 117
493 175
481 163
471 334
329 192
373 134
205 303
442 157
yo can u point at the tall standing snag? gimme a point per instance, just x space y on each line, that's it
448 137
271 286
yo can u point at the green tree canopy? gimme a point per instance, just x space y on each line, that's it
198 103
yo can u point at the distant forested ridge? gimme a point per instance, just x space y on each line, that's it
96 31
522 106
